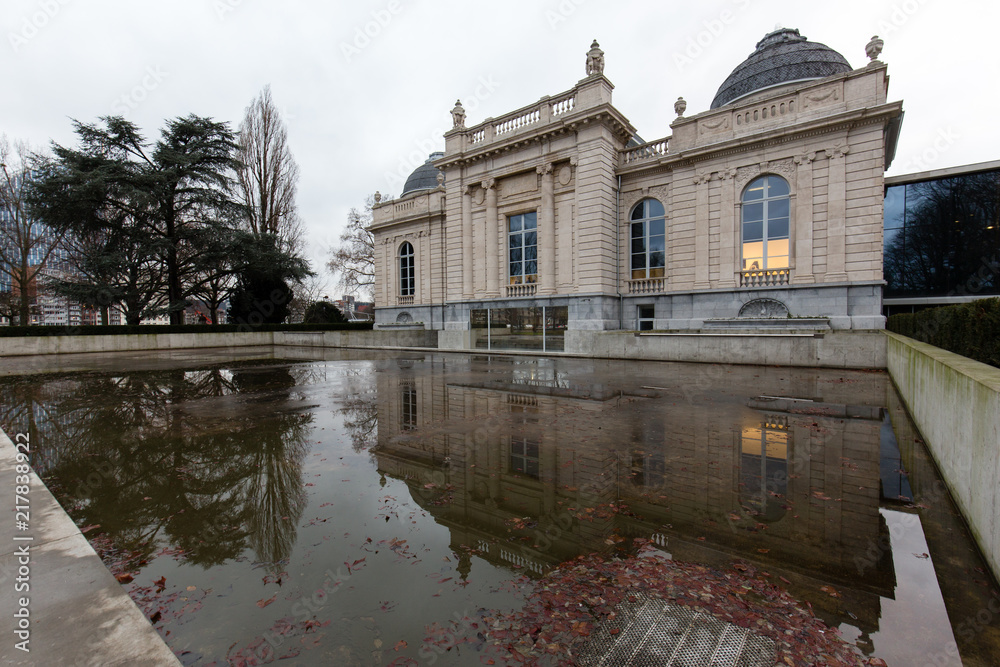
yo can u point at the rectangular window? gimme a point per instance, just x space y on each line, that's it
524 456
522 242
646 314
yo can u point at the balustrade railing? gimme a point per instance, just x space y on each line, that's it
404 300
647 286
646 151
764 278
527 289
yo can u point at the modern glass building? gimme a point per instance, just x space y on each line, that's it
942 237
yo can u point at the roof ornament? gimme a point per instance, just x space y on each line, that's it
595 60
378 197
873 49
458 116
680 106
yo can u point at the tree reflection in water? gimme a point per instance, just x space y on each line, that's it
206 461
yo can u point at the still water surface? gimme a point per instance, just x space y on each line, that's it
342 508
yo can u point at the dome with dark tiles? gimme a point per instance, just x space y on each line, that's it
423 177
781 57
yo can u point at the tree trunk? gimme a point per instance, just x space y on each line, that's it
24 306
174 300
105 316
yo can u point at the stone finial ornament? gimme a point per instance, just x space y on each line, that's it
874 48
458 116
595 60
378 197
680 106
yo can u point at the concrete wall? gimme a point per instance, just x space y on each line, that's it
955 402
30 345
827 350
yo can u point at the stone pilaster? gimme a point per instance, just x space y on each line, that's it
729 230
836 223
802 214
492 233
468 286
701 225
547 232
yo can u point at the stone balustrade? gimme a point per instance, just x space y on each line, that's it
540 113
527 289
647 286
646 151
404 300
764 278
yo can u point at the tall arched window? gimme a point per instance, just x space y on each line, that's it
407 274
765 224
649 257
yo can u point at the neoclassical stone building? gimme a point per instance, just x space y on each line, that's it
558 216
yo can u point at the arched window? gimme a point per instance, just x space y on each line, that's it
649 257
407 274
765 206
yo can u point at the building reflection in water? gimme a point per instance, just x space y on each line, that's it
529 465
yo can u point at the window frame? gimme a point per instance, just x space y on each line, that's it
768 219
407 264
645 222
522 231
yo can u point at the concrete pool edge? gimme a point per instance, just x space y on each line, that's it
862 350
76 612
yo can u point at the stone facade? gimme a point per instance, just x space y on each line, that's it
575 163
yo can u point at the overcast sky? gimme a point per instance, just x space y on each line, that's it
365 87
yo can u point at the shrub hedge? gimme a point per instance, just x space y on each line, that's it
970 329
126 329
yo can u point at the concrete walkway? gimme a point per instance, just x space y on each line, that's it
77 613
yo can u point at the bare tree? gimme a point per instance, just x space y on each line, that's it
26 245
354 260
268 176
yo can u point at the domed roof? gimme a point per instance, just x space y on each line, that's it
423 177
781 57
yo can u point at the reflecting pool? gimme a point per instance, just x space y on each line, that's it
348 508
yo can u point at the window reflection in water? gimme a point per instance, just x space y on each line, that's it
523 448
407 405
764 468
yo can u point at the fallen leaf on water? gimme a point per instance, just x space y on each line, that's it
264 603
401 644
922 555
192 588
123 578
830 590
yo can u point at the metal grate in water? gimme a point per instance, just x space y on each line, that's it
654 633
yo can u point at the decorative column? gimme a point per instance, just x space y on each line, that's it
701 224
468 288
729 230
492 243
803 217
836 222
547 232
